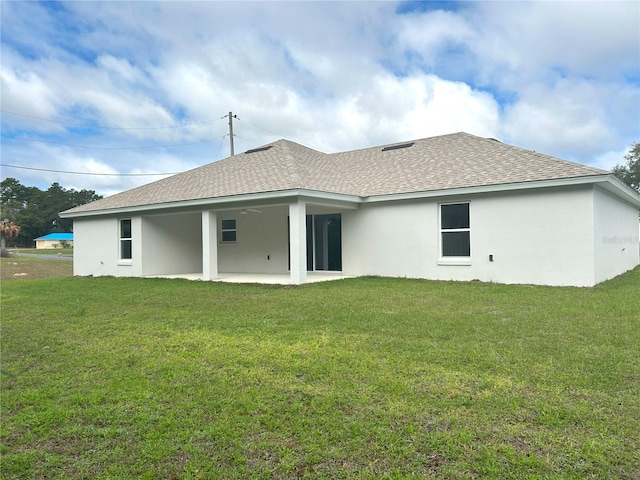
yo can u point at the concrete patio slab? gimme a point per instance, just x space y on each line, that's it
262 278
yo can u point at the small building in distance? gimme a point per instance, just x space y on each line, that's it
55 240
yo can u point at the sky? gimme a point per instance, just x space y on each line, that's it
114 90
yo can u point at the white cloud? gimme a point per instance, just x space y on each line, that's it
557 77
121 67
598 39
571 118
393 109
26 92
433 33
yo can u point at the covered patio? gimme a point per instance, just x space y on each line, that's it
283 241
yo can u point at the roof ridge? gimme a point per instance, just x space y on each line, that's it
382 145
290 163
332 159
596 171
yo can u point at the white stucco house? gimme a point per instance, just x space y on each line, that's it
452 207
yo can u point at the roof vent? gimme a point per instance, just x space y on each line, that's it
396 147
261 149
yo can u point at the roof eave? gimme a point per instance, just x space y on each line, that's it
604 179
620 189
346 201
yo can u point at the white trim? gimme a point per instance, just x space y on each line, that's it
506 187
233 202
456 261
343 201
620 189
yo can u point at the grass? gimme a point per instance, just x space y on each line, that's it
27 268
361 378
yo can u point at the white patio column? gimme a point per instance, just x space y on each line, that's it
209 245
298 242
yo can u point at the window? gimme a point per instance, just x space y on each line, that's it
455 232
125 239
228 230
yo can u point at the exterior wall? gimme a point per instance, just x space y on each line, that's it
615 236
394 239
555 236
261 244
96 248
172 244
539 238
535 237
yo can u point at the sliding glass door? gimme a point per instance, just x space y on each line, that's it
324 242
327 242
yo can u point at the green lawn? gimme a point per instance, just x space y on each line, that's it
42 251
108 378
28 268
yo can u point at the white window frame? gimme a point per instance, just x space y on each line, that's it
224 230
453 260
121 240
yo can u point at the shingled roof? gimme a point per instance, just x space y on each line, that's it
431 164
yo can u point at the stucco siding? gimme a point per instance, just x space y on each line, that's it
389 239
261 243
535 237
615 236
539 238
96 248
172 244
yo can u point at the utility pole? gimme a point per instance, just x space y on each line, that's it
231 117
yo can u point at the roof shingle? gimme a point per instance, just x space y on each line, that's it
437 163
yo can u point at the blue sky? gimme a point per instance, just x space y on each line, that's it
118 89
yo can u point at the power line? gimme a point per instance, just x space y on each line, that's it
102 127
110 148
87 173
220 146
279 135
231 135
261 128
248 140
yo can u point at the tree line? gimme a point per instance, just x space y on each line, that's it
36 212
629 171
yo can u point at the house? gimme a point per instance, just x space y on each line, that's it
55 240
452 207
